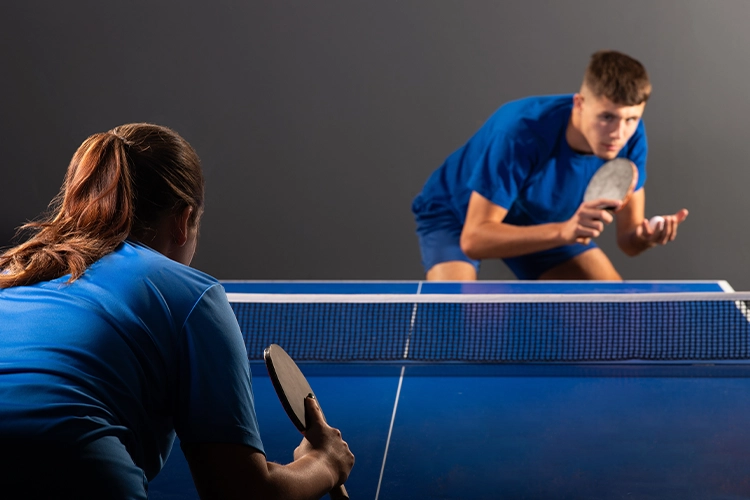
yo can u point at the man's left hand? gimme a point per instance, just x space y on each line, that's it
661 233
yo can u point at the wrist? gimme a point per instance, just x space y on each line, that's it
638 244
559 236
322 466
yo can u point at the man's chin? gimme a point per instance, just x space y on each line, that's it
607 154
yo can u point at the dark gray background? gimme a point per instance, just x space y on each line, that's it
317 122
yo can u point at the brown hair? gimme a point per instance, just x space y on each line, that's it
119 183
618 77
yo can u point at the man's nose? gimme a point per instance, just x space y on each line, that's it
618 131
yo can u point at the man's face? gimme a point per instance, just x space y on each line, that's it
606 126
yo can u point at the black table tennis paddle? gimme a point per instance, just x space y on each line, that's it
292 388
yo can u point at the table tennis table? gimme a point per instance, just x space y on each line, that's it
457 430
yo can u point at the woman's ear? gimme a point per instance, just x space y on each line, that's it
182 225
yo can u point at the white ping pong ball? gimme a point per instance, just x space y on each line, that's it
656 223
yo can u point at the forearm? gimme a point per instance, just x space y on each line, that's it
491 240
229 471
631 245
629 220
306 478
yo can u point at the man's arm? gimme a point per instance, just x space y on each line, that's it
229 471
486 236
633 232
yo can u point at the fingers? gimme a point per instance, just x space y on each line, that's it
668 230
303 449
591 221
314 419
670 224
598 210
675 221
659 235
588 221
316 422
313 413
583 235
603 204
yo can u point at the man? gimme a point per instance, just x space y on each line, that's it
514 190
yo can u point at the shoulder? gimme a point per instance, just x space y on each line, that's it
535 108
540 104
148 263
135 272
532 118
532 124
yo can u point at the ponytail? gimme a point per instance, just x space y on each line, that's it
117 183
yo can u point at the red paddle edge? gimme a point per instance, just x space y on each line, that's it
631 189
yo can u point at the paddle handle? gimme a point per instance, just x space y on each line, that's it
339 493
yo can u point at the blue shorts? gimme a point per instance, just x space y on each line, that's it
442 245
533 265
439 234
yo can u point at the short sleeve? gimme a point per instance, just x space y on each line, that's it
638 152
500 171
215 400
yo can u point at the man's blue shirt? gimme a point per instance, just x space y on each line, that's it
520 160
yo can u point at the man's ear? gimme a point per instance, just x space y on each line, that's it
578 101
181 225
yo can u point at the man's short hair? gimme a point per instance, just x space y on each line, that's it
618 77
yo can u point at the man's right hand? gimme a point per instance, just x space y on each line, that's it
589 220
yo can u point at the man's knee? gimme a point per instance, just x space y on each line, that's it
455 270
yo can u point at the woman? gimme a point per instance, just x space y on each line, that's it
109 342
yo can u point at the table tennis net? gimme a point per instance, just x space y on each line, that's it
498 328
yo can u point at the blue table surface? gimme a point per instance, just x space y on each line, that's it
536 431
